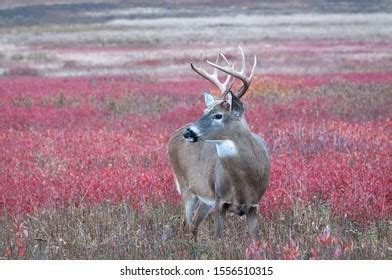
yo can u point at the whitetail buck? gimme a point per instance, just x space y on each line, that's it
217 161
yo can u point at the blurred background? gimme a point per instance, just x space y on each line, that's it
160 38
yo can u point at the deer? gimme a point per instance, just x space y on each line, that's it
219 165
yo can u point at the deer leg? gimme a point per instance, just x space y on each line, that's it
202 212
253 224
189 205
220 216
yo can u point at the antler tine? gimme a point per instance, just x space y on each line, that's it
237 74
224 58
253 68
245 86
215 72
243 60
213 78
210 77
229 79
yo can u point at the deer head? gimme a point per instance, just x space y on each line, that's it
223 114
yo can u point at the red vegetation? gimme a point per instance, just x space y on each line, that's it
326 246
83 140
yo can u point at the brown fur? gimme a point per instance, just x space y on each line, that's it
233 183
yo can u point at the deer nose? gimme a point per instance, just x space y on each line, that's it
190 135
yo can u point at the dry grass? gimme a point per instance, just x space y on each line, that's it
109 231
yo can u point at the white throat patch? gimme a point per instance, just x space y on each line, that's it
225 148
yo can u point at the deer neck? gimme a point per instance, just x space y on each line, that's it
233 147
237 158
226 149
241 169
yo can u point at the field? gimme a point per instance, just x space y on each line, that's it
87 108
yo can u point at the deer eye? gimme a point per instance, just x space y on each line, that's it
218 116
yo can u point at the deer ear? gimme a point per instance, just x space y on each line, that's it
208 99
235 104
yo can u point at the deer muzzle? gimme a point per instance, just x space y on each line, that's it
190 135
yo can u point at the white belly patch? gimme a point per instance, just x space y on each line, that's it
208 201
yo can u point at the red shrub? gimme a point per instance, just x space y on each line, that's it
77 149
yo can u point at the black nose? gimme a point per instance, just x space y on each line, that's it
190 135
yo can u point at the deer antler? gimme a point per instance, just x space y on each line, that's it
213 78
237 74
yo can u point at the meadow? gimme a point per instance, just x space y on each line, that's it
84 168
84 171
